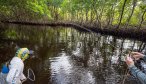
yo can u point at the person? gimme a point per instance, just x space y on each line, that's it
141 76
15 74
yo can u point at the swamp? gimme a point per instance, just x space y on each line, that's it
74 41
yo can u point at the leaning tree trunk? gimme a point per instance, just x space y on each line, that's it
91 17
123 7
113 13
110 16
142 19
86 15
128 20
97 22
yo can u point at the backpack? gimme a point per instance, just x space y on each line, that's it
3 74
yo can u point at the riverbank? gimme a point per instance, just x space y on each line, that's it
133 33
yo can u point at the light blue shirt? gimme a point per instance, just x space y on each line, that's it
138 74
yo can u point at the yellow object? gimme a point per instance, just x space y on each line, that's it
22 53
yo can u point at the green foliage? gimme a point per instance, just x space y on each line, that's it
38 7
20 9
95 11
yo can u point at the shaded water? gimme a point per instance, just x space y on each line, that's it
68 56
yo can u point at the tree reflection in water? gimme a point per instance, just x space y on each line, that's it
66 55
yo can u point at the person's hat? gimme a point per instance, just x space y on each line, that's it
24 53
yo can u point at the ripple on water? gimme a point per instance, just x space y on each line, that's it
64 71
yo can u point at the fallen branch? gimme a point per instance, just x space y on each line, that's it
121 32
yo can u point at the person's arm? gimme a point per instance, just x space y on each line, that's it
135 71
23 78
137 55
138 74
12 76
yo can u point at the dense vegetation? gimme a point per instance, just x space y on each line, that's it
122 13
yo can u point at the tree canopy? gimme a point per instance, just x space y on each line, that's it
99 12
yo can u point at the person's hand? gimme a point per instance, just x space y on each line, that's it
129 61
137 55
23 80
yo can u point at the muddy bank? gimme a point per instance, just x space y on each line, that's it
123 33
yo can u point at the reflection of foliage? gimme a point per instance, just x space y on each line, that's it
51 41
40 34
11 34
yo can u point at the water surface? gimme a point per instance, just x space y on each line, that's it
69 56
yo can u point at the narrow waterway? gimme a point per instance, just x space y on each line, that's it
68 56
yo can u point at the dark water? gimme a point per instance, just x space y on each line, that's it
68 56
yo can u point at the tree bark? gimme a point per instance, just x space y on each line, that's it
142 19
134 5
123 7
